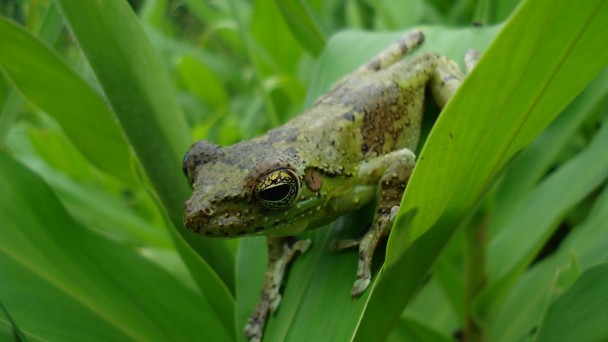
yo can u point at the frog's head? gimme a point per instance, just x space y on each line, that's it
249 188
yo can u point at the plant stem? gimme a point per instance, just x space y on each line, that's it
475 254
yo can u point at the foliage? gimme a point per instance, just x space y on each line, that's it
501 234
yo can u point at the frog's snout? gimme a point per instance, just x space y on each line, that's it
197 215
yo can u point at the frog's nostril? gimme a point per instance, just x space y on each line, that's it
208 210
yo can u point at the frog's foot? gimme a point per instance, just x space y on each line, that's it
393 215
338 245
280 253
367 245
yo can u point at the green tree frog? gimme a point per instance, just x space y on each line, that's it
353 146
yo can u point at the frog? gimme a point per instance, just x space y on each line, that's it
353 146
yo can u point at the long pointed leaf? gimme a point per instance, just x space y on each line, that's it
581 314
522 82
49 82
96 288
137 86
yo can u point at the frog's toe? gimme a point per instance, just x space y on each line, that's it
394 212
340 245
359 286
253 332
274 303
302 245
471 57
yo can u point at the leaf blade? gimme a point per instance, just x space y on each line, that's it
137 86
462 161
580 314
48 258
46 80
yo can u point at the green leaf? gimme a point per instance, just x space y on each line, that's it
536 160
202 81
278 50
509 254
581 314
17 334
61 281
47 81
565 276
138 87
521 83
587 243
48 32
412 330
305 29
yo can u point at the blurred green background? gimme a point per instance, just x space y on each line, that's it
99 101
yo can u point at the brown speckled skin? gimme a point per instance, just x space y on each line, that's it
366 115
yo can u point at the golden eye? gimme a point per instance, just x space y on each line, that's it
277 189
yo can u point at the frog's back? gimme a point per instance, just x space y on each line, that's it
365 115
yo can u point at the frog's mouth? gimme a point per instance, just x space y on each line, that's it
233 221
205 219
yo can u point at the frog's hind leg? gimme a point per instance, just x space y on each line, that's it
406 43
281 251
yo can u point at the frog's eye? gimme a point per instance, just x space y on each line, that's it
277 189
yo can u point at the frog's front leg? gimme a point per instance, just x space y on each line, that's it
281 251
391 173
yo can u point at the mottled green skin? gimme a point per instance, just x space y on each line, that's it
365 116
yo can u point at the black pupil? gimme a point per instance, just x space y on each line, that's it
276 193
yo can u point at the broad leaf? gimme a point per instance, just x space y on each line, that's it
46 80
510 255
100 290
522 82
581 314
137 86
